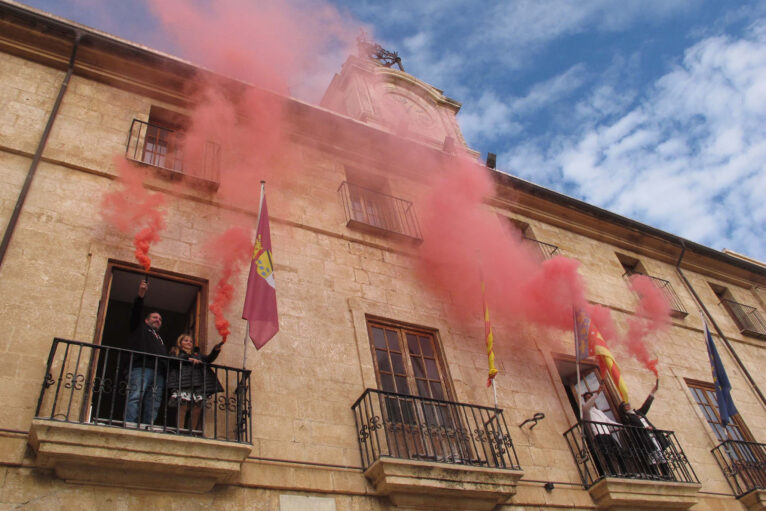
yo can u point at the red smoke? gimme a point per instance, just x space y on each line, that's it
652 315
133 207
280 46
231 249
463 238
276 46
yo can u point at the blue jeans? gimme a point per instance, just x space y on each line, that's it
145 394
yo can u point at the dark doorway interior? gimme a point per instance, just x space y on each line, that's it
179 301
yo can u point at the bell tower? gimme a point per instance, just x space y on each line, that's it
373 88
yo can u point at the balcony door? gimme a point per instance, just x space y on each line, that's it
745 459
180 300
590 380
409 364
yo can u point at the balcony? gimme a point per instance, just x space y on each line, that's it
428 453
79 428
624 466
164 149
748 319
744 465
378 213
677 309
547 251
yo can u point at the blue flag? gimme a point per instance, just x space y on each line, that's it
726 406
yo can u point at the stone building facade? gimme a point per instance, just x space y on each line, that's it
353 315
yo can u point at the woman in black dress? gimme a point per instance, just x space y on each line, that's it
191 381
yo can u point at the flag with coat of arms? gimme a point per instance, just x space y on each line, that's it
260 308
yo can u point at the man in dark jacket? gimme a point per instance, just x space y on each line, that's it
146 381
645 442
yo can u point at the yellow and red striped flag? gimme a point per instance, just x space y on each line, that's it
597 346
489 338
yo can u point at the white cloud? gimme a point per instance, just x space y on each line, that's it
527 25
491 118
688 158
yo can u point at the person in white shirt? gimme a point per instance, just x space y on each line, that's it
603 433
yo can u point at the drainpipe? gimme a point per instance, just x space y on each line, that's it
715 325
38 154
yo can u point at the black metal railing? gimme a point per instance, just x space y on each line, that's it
378 212
743 464
92 384
748 319
547 251
677 308
608 450
164 148
409 427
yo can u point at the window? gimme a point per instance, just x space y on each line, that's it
741 459
546 250
370 207
161 142
748 319
407 361
704 396
163 139
633 266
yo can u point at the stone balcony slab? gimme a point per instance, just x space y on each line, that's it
414 484
754 500
615 494
128 458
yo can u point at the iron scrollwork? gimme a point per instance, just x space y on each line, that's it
74 380
373 424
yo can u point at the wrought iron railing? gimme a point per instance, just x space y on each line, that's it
748 319
164 148
608 450
547 251
378 212
409 427
677 308
743 464
90 384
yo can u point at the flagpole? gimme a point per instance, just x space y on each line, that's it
494 392
577 364
257 223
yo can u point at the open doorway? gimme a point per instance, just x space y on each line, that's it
590 380
181 300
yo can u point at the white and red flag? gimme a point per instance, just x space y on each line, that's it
260 309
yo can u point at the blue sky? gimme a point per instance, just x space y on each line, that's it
655 110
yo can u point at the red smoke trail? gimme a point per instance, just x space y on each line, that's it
132 207
274 46
231 249
652 315
461 234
